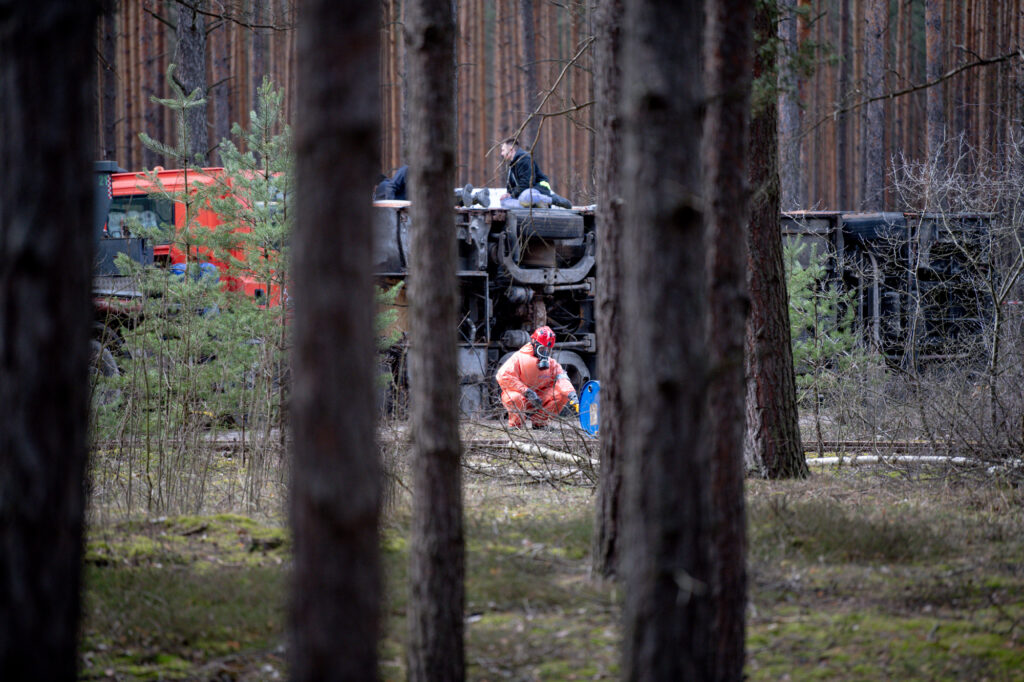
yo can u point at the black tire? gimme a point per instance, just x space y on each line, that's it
102 364
101 360
548 223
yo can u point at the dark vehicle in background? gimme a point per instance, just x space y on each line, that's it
115 296
918 280
517 269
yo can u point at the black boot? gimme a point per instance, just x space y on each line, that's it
483 197
560 201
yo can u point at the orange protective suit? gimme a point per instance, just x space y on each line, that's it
519 373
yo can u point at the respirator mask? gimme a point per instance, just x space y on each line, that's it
543 354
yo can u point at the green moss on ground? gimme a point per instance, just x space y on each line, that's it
861 577
853 576
165 597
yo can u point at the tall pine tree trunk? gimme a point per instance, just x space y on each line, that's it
846 176
935 110
528 139
108 85
772 442
728 57
220 91
259 48
47 228
790 140
610 252
875 15
667 556
336 481
437 564
190 57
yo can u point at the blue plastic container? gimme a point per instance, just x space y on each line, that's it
590 404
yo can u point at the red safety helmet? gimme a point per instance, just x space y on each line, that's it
543 336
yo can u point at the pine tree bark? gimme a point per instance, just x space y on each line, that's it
790 140
437 563
259 48
935 116
108 86
154 73
728 72
844 179
479 168
667 555
190 57
336 482
130 79
875 15
528 139
47 229
772 442
220 91
610 252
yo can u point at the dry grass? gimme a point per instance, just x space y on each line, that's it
855 574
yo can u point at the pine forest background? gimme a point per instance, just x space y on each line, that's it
521 56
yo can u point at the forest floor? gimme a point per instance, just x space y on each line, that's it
854 574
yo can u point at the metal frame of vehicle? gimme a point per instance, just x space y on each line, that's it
517 269
913 276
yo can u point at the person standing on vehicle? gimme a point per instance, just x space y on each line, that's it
526 185
533 384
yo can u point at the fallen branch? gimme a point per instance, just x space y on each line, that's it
548 453
910 459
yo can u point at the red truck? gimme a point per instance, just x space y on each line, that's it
124 199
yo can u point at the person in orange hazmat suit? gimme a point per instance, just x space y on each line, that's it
533 384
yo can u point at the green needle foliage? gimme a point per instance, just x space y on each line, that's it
208 349
821 318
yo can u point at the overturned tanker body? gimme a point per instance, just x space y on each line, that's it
518 269
922 284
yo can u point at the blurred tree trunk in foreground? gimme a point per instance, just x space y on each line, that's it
437 553
336 482
46 245
667 550
728 66
608 87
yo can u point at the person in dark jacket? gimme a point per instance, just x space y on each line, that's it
393 187
526 185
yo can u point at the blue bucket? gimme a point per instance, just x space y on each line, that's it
590 404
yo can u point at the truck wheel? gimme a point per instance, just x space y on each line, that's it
101 360
102 363
575 368
548 224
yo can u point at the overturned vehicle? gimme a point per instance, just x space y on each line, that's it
921 284
518 269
